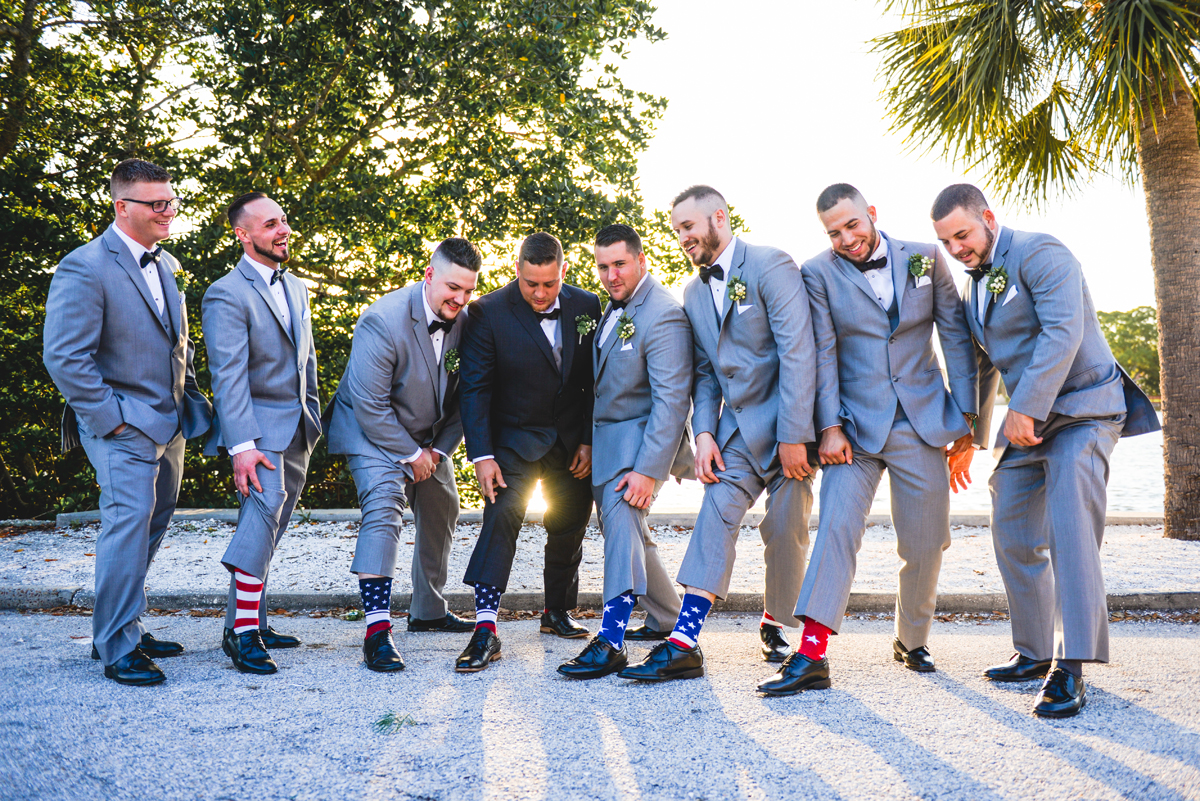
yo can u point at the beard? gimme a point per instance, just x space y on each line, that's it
270 255
872 243
987 246
706 251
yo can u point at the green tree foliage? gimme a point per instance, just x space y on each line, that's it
381 127
1133 337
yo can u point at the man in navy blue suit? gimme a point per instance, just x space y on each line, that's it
527 415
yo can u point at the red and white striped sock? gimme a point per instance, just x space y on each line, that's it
249 595
767 620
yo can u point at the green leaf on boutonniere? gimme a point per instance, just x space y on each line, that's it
625 327
182 279
735 288
451 360
584 325
919 265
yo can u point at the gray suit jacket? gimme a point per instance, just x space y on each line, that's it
264 376
759 361
864 368
643 391
1041 337
110 354
395 396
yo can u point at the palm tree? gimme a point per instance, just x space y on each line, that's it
1041 95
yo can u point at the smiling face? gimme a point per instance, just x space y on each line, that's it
448 288
138 220
620 270
263 231
703 233
540 283
966 236
851 230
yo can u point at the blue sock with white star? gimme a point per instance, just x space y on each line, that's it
376 594
616 618
691 620
487 605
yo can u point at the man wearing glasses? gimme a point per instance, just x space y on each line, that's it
116 345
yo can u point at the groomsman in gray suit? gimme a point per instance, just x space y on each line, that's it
1030 313
258 332
753 409
643 367
881 405
116 345
396 416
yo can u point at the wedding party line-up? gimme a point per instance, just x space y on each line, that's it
766 372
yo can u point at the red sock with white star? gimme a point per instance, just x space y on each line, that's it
814 639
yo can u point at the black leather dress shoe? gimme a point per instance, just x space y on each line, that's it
136 669
597 660
247 652
644 632
1019 668
796 674
917 659
153 648
775 647
482 650
1062 695
667 661
273 639
380 653
560 622
451 622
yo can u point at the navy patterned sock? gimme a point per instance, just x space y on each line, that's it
487 604
691 620
376 594
616 618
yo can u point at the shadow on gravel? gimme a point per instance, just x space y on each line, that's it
1136 725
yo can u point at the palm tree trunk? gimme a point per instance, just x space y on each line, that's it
1169 160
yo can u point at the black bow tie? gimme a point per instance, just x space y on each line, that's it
872 264
278 274
709 272
443 325
550 315
619 304
981 271
151 256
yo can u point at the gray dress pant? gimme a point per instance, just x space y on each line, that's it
1048 509
262 519
631 559
708 562
920 484
139 485
384 489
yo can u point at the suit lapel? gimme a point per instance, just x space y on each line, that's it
171 295
856 277
899 273
529 322
125 259
706 330
735 271
449 342
264 290
295 301
1001 253
631 309
420 329
565 302
973 308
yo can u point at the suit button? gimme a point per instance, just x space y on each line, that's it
896 379
1003 371
738 410
892 341
729 374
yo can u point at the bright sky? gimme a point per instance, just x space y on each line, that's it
773 100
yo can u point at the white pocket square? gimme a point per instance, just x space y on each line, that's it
1012 293
743 306
627 346
924 280
305 315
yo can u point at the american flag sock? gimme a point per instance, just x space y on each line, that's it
767 620
249 595
487 604
814 639
691 619
616 618
376 594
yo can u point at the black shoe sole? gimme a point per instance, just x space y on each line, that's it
138 682
586 676
1060 715
548 630
386 668
824 684
494 657
1016 679
694 673
914 668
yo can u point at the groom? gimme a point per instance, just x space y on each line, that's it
1031 315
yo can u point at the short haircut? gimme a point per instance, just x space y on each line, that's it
619 232
959 196
835 193
135 171
237 208
700 193
541 248
457 250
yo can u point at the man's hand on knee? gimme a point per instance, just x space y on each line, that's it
639 489
245 471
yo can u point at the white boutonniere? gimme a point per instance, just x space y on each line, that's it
919 265
451 360
735 288
625 327
584 325
997 280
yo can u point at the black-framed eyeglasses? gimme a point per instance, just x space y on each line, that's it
158 206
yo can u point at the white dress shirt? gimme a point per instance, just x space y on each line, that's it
281 306
881 278
611 322
981 290
717 285
149 272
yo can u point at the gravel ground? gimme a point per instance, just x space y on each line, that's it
518 731
315 557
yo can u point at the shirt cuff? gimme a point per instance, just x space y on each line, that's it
412 458
242 448
481 458
439 453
